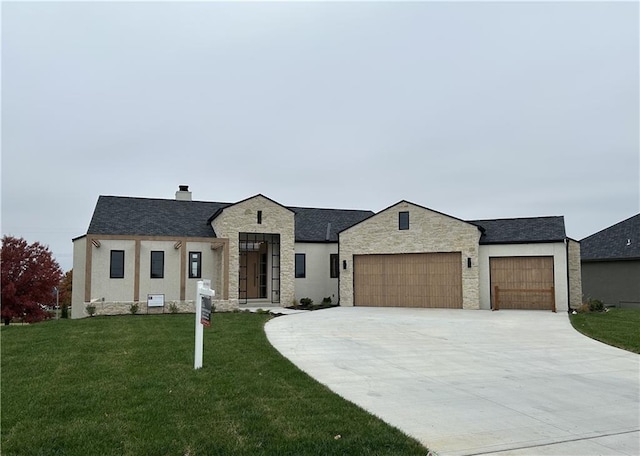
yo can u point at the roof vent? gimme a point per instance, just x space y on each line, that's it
183 193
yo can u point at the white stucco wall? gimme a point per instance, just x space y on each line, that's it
79 267
102 286
212 269
318 283
169 285
555 249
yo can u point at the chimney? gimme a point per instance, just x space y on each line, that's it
183 193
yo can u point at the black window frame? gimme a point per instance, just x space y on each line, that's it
259 218
156 265
300 265
334 266
403 220
198 261
116 265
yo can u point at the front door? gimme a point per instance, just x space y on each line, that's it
253 274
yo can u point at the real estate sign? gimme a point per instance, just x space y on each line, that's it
205 316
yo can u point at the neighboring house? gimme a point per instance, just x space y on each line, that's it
152 252
611 264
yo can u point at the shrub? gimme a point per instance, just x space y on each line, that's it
91 309
326 300
592 305
65 311
133 309
595 305
173 308
306 302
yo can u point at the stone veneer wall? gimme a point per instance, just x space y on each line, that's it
575 274
276 219
429 232
124 307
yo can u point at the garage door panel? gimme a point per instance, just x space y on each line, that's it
408 280
515 277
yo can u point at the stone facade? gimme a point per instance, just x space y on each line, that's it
124 307
575 274
429 232
275 219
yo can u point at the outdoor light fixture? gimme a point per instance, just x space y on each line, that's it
468 262
177 245
344 264
96 243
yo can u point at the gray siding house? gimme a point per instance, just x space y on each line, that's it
257 252
611 264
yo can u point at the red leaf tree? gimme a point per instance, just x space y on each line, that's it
29 274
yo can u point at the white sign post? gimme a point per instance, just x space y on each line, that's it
203 316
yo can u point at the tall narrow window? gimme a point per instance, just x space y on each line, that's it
195 265
403 220
301 267
259 217
157 264
116 268
333 266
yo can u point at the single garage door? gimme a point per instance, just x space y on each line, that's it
408 280
522 283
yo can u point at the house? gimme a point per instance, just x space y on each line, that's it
611 264
152 252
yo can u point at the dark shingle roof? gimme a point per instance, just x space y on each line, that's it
619 241
521 230
313 225
152 217
118 215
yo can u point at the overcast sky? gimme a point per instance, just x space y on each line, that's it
478 110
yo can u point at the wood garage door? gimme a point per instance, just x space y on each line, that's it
408 280
523 283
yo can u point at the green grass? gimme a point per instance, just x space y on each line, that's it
126 386
617 327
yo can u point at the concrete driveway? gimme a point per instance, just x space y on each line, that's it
470 382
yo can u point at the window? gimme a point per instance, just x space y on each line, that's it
195 265
157 264
116 269
333 266
259 217
301 267
403 220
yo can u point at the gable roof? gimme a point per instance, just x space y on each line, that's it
522 230
323 225
618 242
129 216
413 204
219 211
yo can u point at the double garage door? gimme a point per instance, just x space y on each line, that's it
408 280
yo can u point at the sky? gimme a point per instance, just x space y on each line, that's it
476 109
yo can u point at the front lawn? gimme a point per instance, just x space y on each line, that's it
617 327
126 386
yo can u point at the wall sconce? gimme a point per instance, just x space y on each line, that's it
344 264
177 245
468 262
96 243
